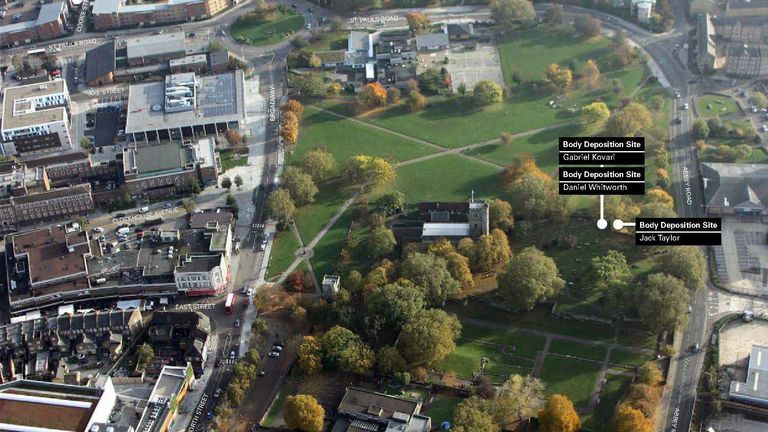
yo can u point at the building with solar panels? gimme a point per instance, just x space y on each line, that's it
185 106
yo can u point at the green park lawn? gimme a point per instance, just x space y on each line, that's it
573 378
330 41
520 343
282 255
540 145
327 249
442 409
345 138
267 32
716 105
311 218
447 178
591 352
613 390
466 359
620 356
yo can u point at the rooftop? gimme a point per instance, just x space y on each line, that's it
735 185
189 60
203 219
431 40
66 407
372 408
118 6
755 389
100 61
20 110
195 264
160 158
455 229
155 45
48 12
52 253
218 98
747 4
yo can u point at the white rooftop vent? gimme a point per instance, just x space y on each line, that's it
157 108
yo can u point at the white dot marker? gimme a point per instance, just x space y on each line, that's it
602 224
618 224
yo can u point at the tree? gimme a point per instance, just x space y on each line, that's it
375 170
293 106
226 183
416 101
659 195
458 265
560 77
462 89
558 415
590 74
432 81
281 205
686 263
302 412
391 203
238 181
380 242
390 307
520 168
234 138
393 95
500 214
586 26
300 185
521 398
700 129
334 88
430 273
629 120
759 100
309 85
389 361
530 277
342 349
650 374
319 164
533 195
310 360
594 116
372 95
628 419
418 22
474 415
429 337
509 13
609 273
487 92
662 302
492 251
144 356
289 127
656 210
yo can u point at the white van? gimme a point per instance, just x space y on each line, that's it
143 210
123 230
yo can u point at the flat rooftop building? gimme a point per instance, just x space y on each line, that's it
112 14
755 390
185 106
156 48
42 406
36 118
170 388
735 187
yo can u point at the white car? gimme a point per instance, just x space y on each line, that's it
98 230
274 354
144 210
685 106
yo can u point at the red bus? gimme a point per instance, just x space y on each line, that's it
230 303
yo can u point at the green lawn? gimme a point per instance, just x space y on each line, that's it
282 255
613 389
542 146
345 138
274 410
230 160
521 343
310 219
573 378
758 155
620 356
447 178
716 105
591 352
442 409
267 32
330 41
327 249
466 359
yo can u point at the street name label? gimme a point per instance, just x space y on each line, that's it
601 181
601 151
678 231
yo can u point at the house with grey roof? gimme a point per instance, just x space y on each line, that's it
754 390
365 410
733 188
432 41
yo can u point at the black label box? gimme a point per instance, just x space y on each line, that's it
601 151
601 181
678 231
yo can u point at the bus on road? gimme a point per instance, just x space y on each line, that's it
230 303
36 51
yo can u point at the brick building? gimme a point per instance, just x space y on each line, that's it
113 14
51 23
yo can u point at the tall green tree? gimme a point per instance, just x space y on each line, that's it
300 185
381 242
303 413
530 277
521 398
662 302
510 13
430 273
474 415
319 164
429 337
342 349
500 214
390 307
281 205
610 275
488 92
686 263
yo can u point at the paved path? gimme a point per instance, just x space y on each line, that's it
540 356
595 398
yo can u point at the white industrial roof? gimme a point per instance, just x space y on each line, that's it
431 229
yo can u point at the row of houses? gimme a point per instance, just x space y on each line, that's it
732 45
51 22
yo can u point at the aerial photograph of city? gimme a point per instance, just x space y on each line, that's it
384 215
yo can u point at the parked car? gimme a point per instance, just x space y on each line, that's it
237 322
274 354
